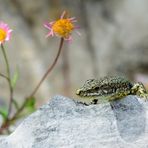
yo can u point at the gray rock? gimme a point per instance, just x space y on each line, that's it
64 123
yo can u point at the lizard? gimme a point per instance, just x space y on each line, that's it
109 88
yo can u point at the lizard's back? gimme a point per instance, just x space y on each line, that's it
109 88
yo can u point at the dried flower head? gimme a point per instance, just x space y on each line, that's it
63 27
5 32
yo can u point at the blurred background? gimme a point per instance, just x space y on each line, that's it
113 41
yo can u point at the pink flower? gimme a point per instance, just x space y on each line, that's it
5 32
63 27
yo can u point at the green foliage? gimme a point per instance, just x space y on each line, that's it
27 107
30 104
4 112
14 78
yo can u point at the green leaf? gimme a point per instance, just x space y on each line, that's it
15 78
30 104
28 107
4 112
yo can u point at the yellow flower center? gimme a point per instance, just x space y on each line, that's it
2 35
63 27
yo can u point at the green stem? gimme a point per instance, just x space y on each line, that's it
2 75
39 84
9 80
49 69
19 110
15 104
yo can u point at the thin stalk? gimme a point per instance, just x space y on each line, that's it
2 75
19 110
49 69
9 79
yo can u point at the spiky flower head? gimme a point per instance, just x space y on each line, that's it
5 32
63 27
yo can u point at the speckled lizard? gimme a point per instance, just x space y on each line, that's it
109 88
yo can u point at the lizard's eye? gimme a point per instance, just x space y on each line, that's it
96 88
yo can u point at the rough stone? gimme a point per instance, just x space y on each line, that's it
65 123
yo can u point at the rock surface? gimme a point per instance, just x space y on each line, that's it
64 123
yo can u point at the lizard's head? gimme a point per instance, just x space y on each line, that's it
139 90
88 89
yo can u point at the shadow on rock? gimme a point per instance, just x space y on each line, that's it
130 116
